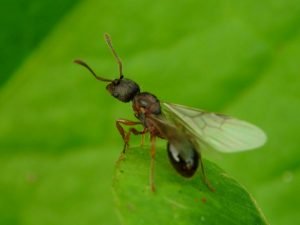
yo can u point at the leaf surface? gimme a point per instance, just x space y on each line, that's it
178 200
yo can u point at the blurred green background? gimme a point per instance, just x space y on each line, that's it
58 141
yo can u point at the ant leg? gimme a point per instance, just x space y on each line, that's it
121 130
152 185
135 132
205 180
143 136
126 136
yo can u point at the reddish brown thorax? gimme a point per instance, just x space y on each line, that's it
145 103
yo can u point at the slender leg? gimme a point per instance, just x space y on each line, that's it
143 136
152 185
126 136
205 180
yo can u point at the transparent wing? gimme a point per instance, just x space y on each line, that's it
220 132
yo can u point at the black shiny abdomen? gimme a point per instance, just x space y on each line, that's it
184 165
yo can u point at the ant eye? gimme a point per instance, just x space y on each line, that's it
115 94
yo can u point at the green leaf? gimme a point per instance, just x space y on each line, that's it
178 200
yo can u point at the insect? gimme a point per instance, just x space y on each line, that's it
187 130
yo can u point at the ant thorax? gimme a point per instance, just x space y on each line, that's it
145 103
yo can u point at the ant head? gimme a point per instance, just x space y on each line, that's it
123 89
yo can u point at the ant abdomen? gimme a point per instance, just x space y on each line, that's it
184 158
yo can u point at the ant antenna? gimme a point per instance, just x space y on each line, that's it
108 41
78 61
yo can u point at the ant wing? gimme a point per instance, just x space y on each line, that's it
217 131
